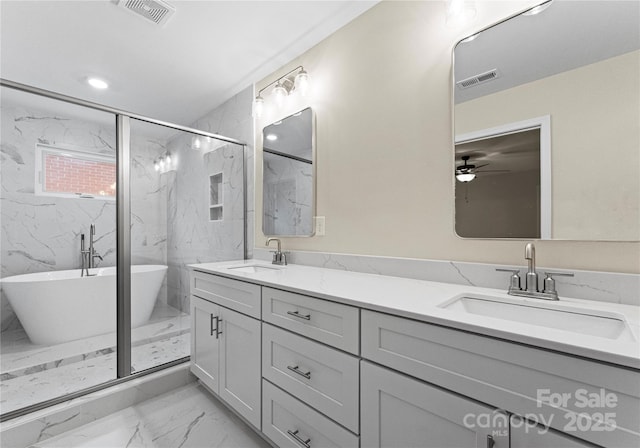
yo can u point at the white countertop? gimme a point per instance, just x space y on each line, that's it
420 300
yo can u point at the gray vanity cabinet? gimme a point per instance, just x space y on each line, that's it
205 347
399 411
225 355
531 436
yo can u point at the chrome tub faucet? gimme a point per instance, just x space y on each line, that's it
88 256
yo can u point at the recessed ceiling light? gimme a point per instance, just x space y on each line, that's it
97 83
272 137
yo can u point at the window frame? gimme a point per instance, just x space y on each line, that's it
42 149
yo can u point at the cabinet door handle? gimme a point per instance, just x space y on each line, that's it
298 315
490 441
299 439
211 324
218 331
297 370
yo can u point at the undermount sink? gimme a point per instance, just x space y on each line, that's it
253 268
596 323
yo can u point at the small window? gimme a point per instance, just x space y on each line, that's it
74 174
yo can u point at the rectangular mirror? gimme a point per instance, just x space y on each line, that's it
547 124
288 175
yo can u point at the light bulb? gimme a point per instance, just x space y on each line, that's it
156 166
195 144
302 82
272 137
258 106
465 177
280 94
168 159
161 163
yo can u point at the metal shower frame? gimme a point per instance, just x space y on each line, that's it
123 237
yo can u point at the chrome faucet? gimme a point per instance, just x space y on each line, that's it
548 292
92 252
279 257
88 256
531 279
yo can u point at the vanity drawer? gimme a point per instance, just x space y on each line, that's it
236 295
291 423
320 376
509 376
328 322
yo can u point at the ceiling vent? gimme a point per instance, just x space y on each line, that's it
478 79
156 11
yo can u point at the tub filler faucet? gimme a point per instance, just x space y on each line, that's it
88 255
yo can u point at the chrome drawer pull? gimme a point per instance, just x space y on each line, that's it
214 329
298 315
297 370
218 331
299 439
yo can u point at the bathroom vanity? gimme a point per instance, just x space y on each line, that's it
315 357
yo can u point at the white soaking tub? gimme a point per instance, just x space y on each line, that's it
61 306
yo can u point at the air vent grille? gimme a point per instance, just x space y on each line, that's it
156 11
478 79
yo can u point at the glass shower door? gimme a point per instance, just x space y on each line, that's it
187 206
58 249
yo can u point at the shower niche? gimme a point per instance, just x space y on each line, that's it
215 197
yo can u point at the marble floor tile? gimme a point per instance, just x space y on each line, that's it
187 417
40 373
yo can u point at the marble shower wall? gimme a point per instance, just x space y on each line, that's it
192 237
287 196
42 233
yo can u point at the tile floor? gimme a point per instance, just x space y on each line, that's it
31 373
187 417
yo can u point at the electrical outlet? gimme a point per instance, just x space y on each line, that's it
320 227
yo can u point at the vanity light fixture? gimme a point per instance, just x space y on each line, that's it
258 106
295 80
164 163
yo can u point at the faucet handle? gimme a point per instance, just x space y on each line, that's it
550 283
514 279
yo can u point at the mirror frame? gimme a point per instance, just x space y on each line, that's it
314 179
452 90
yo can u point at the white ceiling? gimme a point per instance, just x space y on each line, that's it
207 51
567 35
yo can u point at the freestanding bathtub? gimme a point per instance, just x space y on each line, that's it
61 306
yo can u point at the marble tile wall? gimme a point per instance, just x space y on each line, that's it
588 285
288 194
193 238
42 233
